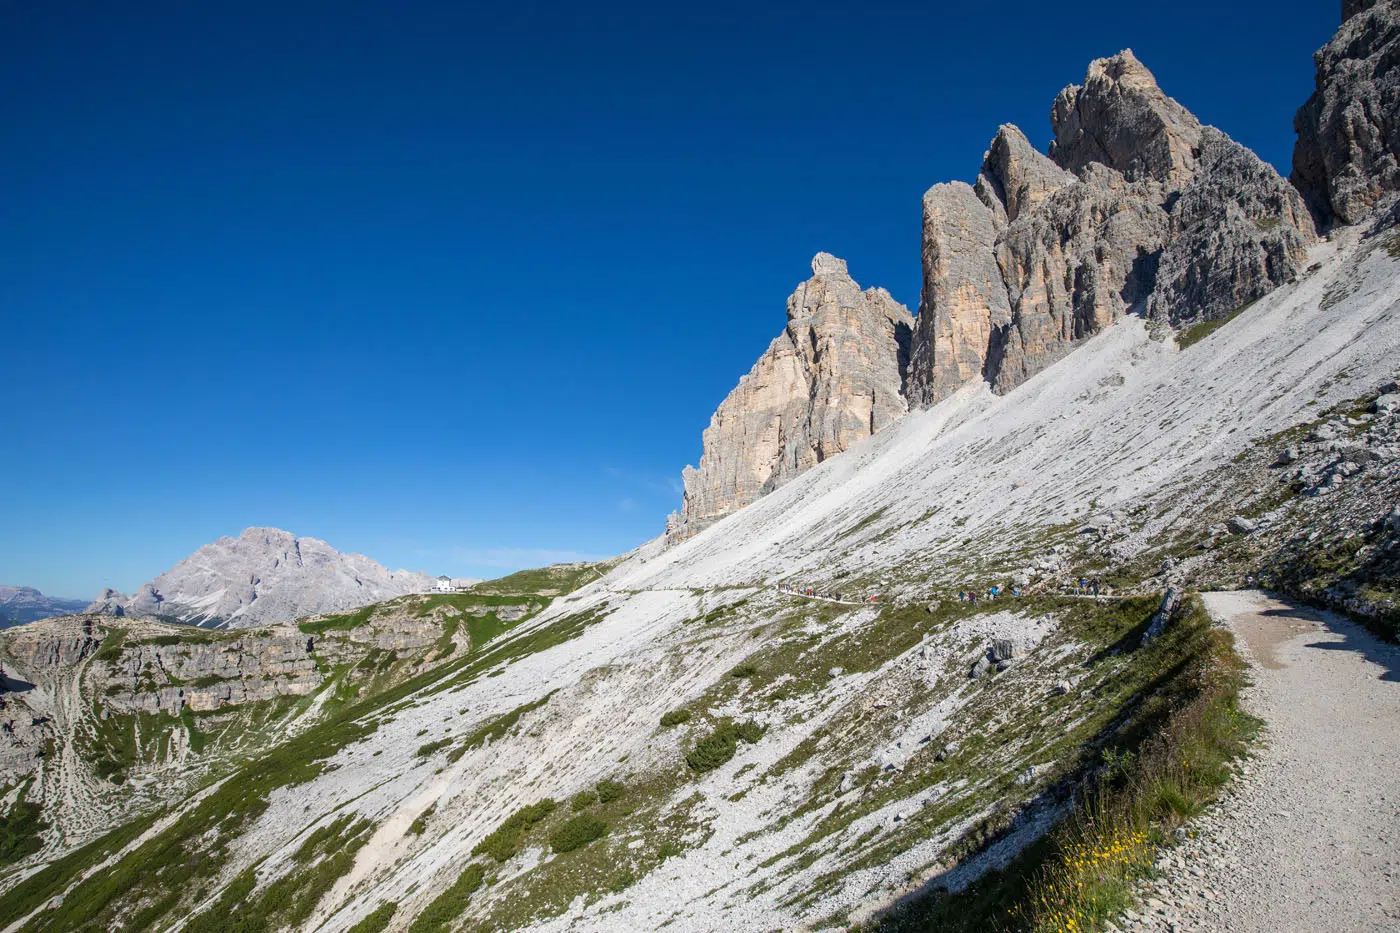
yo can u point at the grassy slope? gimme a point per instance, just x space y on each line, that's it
161 875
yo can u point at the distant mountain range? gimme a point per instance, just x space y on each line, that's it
20 604
264 575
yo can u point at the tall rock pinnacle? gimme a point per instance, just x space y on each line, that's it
1137 209
831 379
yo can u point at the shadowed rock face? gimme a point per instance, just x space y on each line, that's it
1347 157
1138 208
1237 231
831 379
1072 267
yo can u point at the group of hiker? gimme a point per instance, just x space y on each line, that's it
1083 586
823 594
993 592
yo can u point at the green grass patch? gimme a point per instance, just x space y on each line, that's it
557 580
20 829
111 648
450 904
1159 762
197 738
378 921
289 900
338 622
1200 331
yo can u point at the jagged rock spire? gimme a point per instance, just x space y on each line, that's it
831 379
1119 117
1048 251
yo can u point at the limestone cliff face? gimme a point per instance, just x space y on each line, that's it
1138 208
1237 231
964 297
1347 157
831 379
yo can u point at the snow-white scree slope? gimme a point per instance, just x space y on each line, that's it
1120 417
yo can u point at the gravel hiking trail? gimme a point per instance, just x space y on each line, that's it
1307 838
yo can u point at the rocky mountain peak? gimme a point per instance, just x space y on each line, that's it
831 379
1351 7
1138 208
1015 176
1119 117
20 604
827 264
262 575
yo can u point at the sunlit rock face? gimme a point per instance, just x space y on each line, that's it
833 377
1138 208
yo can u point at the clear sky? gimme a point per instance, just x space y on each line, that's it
458 285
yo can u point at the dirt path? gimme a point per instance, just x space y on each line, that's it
1309 838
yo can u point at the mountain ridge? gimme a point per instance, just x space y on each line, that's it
260 576
21 604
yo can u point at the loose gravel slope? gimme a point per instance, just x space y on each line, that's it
1309 838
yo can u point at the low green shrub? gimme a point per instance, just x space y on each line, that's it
377 921
427 748
420 824
608 791
19 831
577 833
505 839
674 718
721 744
583 800
448 905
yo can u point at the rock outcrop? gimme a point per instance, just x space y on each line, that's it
264 575
1071 267
150 676
834 377
1138 208
1347 157
1237 231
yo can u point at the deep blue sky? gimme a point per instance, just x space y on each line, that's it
458 285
